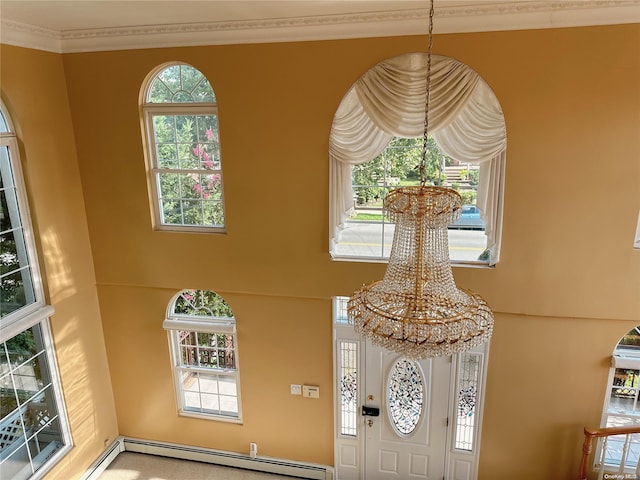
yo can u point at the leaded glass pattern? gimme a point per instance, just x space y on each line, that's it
468 378
348 358
405 396
182 119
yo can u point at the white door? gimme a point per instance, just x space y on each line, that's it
405 440
408 436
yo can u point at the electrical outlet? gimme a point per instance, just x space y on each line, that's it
296 389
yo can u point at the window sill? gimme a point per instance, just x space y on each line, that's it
207 416
454 263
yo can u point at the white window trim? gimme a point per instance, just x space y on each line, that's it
360 131
148 111
38 312
205 324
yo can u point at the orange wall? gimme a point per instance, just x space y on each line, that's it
566 289
34 90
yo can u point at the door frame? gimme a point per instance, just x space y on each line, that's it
349 453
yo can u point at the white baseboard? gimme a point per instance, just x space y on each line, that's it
217 457
103 461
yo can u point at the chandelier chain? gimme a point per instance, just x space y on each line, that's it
423 162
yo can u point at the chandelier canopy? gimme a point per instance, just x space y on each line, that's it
416 309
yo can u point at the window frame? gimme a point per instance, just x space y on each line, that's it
472 130
197 324
623 358
148 111
36 313
387 227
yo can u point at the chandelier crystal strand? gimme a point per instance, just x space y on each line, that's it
416 309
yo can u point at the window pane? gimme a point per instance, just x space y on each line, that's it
169 184
340 311
210 385
210 393
624 393
180 84
3 124
348 358
29 425
16 283
191 141
468 378
367 233
213 213
405 396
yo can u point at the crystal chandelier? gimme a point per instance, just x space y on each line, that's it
416 309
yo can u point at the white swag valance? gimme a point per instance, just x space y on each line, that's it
388 101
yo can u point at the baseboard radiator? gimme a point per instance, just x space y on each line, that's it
205 455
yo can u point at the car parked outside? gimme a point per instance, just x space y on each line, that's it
469 219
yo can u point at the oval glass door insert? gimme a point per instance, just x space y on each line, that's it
405 396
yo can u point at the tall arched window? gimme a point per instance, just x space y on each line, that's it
375 144
204 351
622 400
34 433
180 116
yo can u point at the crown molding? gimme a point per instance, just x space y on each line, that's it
514 15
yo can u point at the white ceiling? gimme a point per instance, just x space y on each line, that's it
93 25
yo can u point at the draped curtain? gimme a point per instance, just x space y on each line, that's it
388 101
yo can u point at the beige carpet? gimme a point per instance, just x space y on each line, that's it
138 466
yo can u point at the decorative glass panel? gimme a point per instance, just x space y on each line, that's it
468 377
405 396
348 358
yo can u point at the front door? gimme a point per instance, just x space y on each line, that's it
408 436
405 409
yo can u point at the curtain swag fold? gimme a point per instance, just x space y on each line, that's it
388 101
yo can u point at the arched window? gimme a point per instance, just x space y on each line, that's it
204 350
183 150
375 144
622 401
34 433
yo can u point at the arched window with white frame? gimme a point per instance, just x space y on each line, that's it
34 431
622 403
204 352
182 146
376 142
